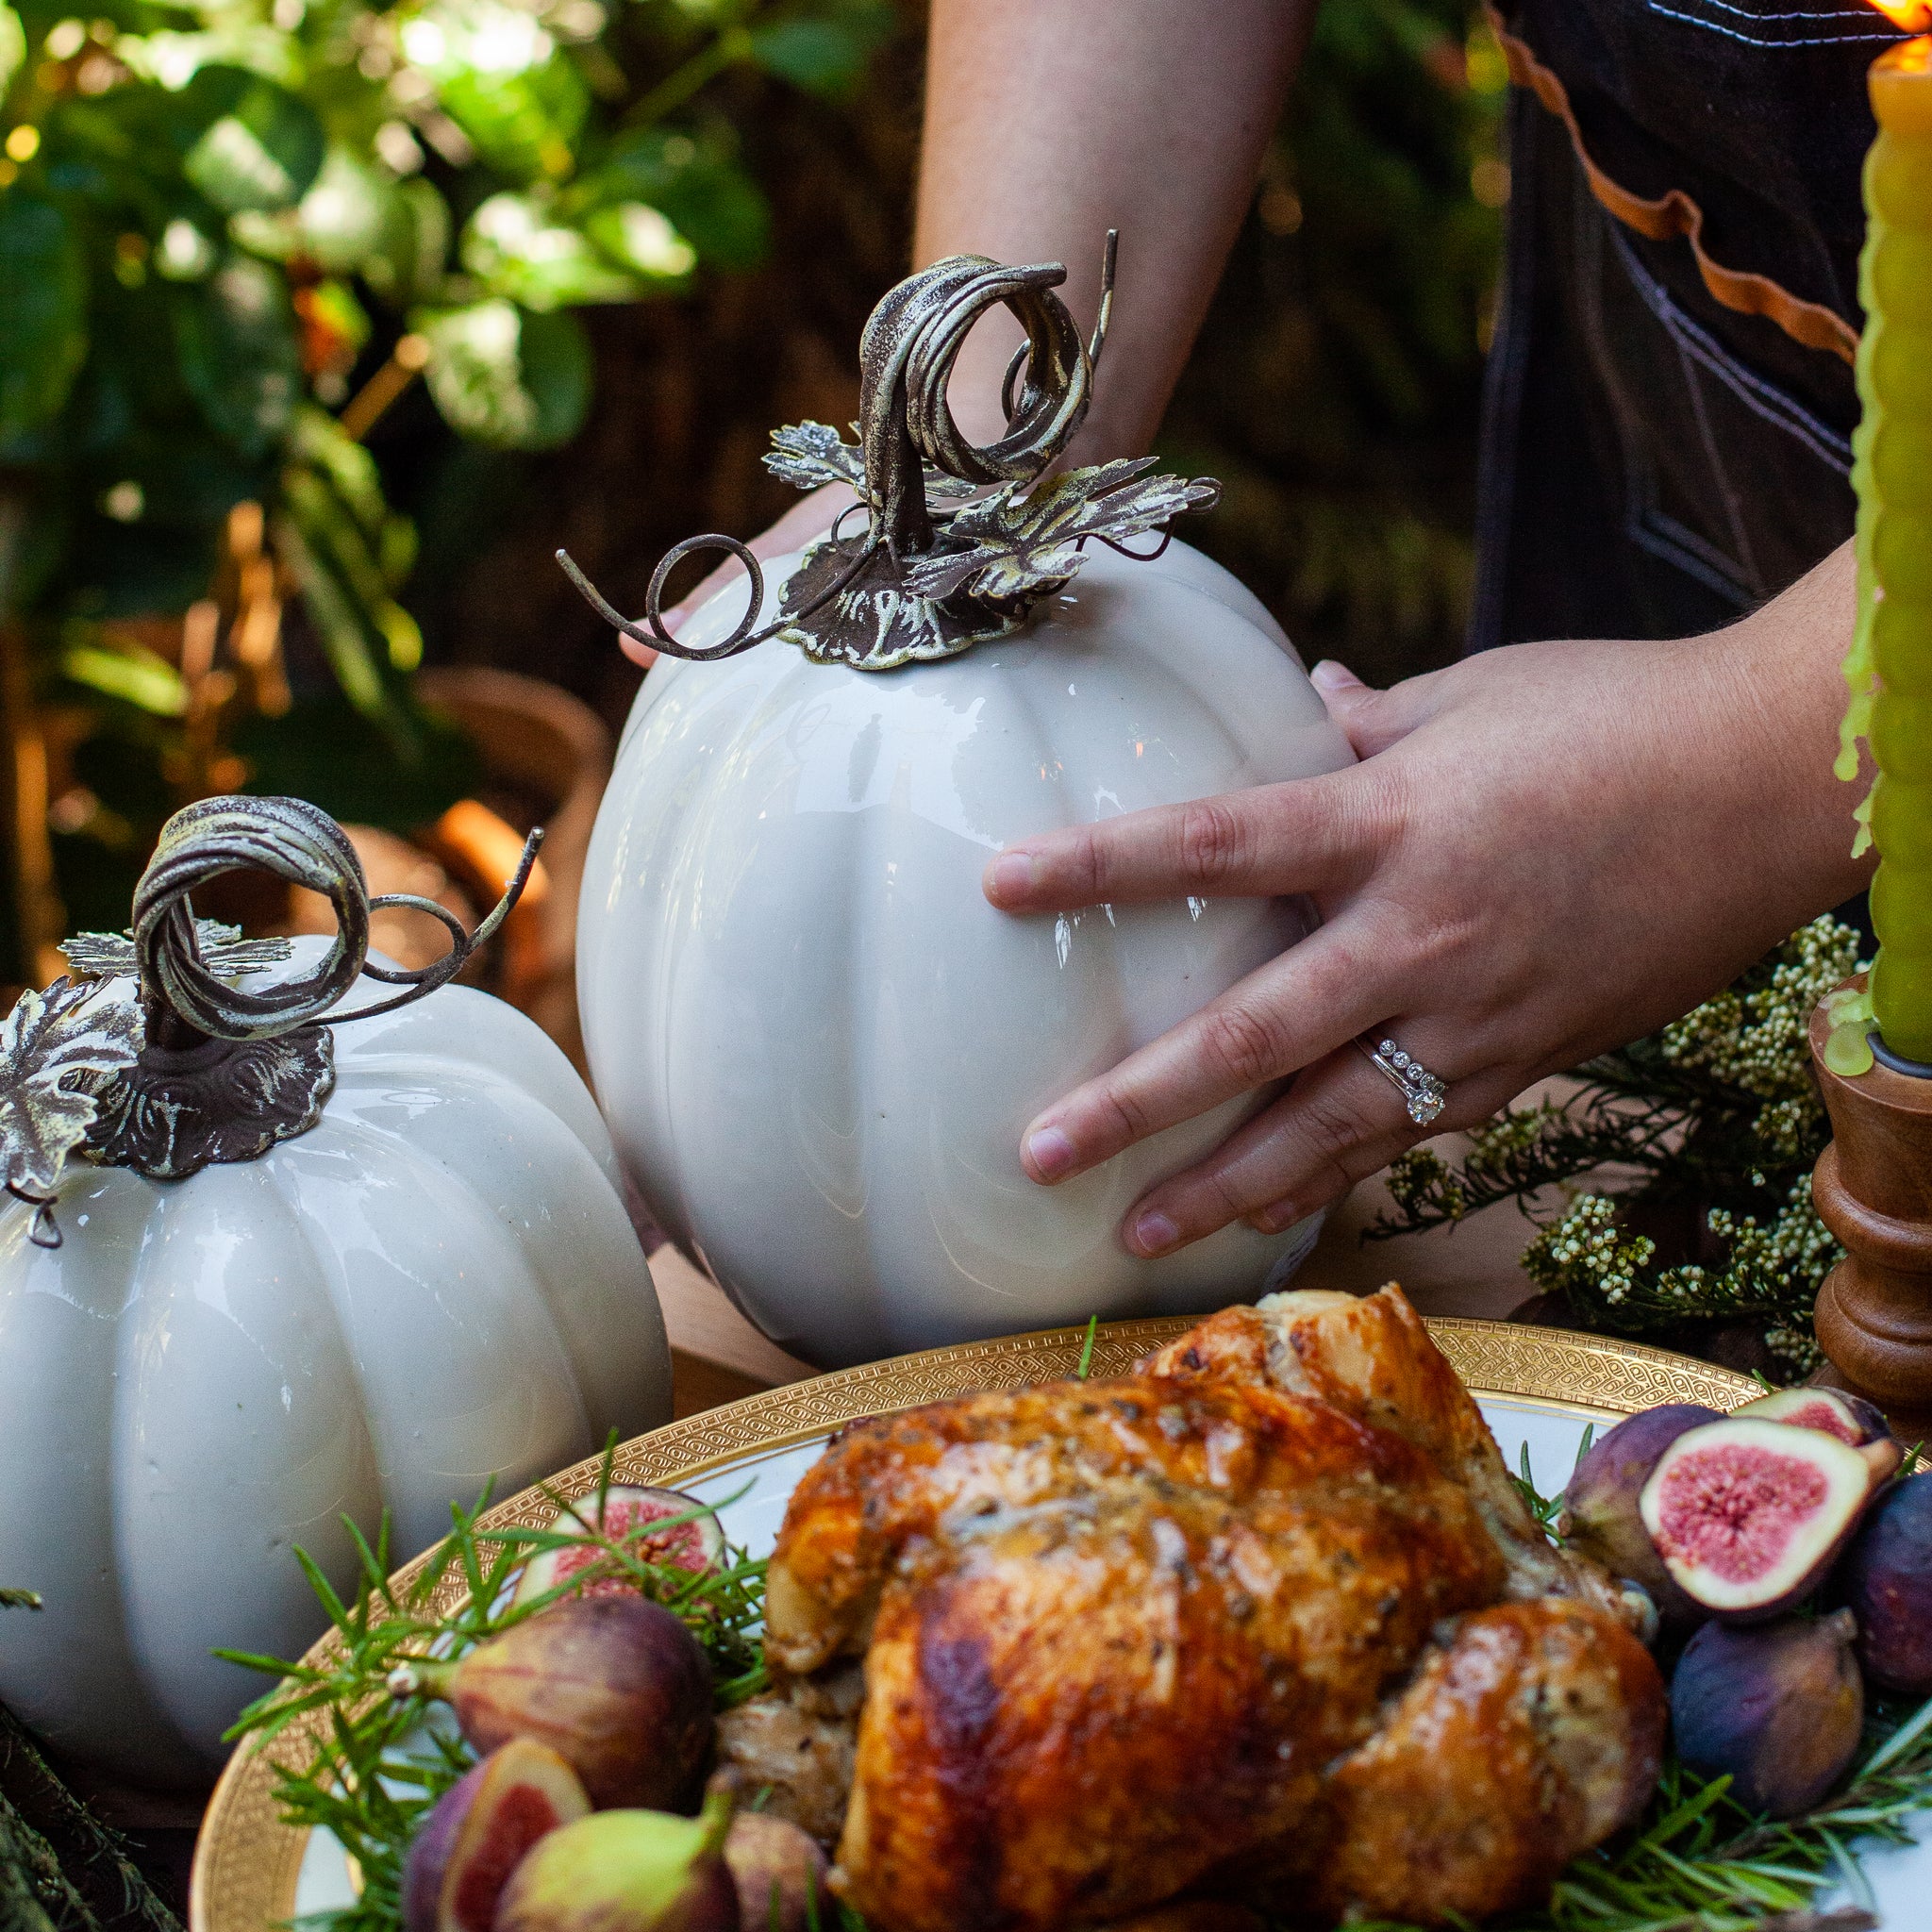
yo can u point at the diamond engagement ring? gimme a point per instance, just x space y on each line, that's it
1421 1090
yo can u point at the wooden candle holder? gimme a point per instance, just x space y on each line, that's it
1872 1188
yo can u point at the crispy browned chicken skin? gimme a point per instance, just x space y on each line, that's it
1266 1619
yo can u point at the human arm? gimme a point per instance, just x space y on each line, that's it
1547 850
1048 122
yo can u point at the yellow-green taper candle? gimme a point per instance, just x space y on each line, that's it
1892 471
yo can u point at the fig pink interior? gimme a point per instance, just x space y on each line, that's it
1733 1510
1822 1415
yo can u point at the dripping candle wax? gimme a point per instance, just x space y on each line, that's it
1893 476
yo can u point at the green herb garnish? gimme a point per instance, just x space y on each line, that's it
1081 1372
1546 1509
380 1761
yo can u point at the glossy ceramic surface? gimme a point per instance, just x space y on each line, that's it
817 1045
435 1288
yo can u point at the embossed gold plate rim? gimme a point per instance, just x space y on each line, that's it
247 1861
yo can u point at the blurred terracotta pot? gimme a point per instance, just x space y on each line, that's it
550 752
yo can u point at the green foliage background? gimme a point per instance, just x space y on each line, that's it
1335 389
635 235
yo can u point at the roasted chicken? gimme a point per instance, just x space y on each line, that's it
1266 1620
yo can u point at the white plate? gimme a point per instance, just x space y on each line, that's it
1899 1877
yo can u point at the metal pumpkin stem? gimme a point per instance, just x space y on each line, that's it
149 1056
922 583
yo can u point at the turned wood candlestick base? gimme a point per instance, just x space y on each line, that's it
1872 1188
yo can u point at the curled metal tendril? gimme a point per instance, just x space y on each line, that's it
906 354
44 1231
294 840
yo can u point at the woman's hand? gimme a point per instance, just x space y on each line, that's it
1546 850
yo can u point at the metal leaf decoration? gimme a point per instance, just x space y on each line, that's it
58 1050
917 579
1007 546
809 455
111 955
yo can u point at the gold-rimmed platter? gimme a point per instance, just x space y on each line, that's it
1538 1386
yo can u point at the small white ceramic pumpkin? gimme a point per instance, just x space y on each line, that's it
815 1043
434 1287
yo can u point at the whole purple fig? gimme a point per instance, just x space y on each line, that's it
627 1871
1887 1580
615 1685
1779 1707
780 1874
464 1851
1600 1516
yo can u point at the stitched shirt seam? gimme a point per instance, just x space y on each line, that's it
1764 399
1769 44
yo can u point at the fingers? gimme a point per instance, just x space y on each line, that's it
1341 1121
1282 1016
1373 719
1310 834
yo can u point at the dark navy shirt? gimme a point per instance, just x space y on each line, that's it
1655 461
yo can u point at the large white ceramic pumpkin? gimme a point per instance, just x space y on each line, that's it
435 1288
815 1043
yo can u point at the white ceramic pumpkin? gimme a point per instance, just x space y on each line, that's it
434 1288
815 1043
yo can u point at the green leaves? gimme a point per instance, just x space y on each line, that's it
12 45
255 145
233 213
239 353
694 183
507 376
128 671
348 212
643 241
822 53
500 78
515 249
343 544
42 311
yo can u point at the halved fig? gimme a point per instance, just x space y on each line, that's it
697 1545
1850 1418
1748 1514
1600 1517
477 1834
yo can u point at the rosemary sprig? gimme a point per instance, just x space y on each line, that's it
1698 1861
1086 1365
20 1600
1547 1508
377 1761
